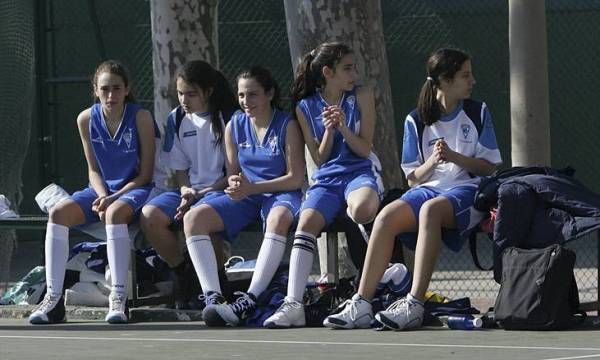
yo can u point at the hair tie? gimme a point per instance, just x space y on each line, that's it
429 78
313 52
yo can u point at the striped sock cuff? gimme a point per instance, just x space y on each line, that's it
305 241
196 238
278 238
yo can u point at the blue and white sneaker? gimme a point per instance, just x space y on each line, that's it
404 314
357 314
236 313
209 314
50 311
118 311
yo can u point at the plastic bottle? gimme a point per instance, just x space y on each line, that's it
464 322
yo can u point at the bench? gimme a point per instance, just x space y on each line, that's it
327 244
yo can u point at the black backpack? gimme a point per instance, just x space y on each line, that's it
538 289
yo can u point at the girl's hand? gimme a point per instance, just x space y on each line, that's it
437 157
184 206
331 117
447 154
188 193
239 187
102 203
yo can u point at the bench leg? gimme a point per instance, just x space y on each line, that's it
332 256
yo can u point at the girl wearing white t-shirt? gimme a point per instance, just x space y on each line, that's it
194 142
449 143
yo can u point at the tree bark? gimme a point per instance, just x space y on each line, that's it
182 30
357 23
529 104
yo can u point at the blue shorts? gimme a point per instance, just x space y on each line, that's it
236 215
136 198
328 196
168 202
466 217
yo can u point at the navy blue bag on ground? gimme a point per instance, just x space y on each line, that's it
538 289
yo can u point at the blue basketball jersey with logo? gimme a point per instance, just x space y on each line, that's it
264 160
118 157
342 160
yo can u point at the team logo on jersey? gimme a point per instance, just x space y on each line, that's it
272 143
127 137
351 100
465 130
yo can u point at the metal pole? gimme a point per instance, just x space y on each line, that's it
530 118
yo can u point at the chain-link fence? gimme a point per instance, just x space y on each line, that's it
255 33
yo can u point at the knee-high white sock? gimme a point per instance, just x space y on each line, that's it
301 259
118 251
269 256
203 257
57 253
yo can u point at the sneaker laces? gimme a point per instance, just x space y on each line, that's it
243 302
116 303
288 305
213 298
352 308
402 305
48 303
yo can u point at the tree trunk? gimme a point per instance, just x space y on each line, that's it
182 30
529 106
357 23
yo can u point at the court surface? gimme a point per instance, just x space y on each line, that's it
192 340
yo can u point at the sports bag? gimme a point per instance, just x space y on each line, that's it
538 289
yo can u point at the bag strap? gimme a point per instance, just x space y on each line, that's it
473 248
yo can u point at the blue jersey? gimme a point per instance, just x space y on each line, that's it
342 160
118 157
266 160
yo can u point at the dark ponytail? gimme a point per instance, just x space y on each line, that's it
441 65
309 74
221 102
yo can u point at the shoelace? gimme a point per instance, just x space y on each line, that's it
399 306
47 303
116 303
242 303
288 305
213 299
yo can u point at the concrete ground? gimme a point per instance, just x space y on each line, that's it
93 339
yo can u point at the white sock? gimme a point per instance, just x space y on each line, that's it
203 257
118 251
301 259
57 254
269 257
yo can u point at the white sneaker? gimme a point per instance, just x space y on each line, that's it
50 311
357 314
118 311
289 314
403 314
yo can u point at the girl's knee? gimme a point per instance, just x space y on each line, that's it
364 212
118 213
279 220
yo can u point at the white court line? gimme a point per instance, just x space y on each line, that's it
287 342
576 357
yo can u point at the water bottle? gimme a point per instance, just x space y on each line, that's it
464 322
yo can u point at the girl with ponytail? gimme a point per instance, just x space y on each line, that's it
195 150
449 143
337 119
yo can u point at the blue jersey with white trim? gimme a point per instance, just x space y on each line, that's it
342 159
118 156
264 160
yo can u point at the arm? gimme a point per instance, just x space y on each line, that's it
362 143
145 128
291 180
319 152
94 175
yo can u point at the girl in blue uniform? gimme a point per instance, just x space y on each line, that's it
265 169
443 156
337 118
118 142
194 142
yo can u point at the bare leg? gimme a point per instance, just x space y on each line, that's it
395 218
435 214
155 225
363 204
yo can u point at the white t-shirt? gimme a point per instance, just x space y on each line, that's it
461 135
196 149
